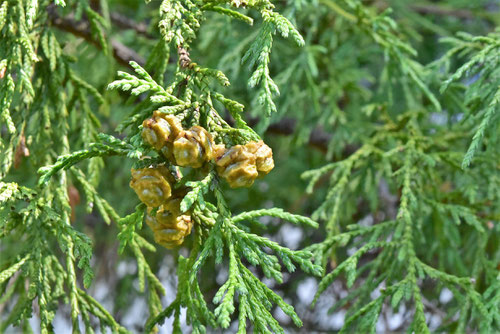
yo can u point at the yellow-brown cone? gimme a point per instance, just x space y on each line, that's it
152 185
160 129
237 166
192 148
263 156
169 226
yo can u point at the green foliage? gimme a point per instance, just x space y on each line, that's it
401 97
481 67
41 215
254 297
417 157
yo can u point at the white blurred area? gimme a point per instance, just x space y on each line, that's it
316 320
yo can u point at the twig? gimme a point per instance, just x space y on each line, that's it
121 53
124 54
121 21
319 138
438 10
434 9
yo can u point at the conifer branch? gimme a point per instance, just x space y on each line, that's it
123 54
407 178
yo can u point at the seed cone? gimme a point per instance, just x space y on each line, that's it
193 147
263 156
185 148
237 166
169 225
240 165
152 185
160 129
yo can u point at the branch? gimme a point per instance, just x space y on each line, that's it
121 53
319 138
121 21
124 55
442 11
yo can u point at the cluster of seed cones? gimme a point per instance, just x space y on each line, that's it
239 165
153 187
185 148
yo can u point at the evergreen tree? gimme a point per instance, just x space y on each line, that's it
156 163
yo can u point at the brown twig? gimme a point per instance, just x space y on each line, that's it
441 11
318 138
124 55
121 53
121 21
431 9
